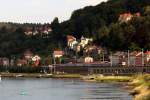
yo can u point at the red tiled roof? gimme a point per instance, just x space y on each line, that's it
58 52
138 54
126 14
148 52
70 37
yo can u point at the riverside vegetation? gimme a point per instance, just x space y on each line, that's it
141 84
138 85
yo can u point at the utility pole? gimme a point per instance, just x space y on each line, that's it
142 57
54 63
103 57
111 59
128 58
76 56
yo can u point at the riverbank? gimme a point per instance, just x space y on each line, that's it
138 85
141 87
40 75
101 78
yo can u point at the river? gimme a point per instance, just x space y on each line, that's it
59 89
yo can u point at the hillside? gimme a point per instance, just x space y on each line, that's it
102 22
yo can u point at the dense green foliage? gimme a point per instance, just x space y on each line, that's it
99 22
13 41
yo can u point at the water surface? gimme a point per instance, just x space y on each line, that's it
59 89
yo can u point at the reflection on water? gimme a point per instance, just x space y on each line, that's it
59 89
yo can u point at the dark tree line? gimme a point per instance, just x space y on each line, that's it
14 42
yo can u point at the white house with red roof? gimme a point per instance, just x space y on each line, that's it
71 41
36 60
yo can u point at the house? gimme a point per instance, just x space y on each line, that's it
5 61
28 54
125 17
42 29
91 48
49 29
118 58
132 58
147 57
35 32
12 62
88 60
136 58
71 42
58 53
28 33
84 41
45 32
21 62
36 60
94 51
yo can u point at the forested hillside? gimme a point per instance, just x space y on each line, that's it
101 23
98 22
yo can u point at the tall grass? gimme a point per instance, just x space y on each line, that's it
141 85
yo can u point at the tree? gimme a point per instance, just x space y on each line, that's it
147 11
134 47
116 37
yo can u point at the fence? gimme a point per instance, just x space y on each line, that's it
23 69
119 70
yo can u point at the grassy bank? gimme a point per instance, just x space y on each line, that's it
141 84
101 78
138 85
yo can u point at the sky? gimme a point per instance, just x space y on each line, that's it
40 11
